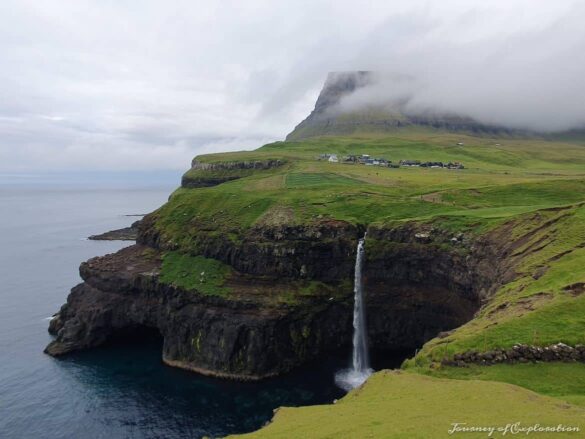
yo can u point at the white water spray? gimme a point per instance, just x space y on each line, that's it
350 378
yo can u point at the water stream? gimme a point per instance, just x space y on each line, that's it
350 378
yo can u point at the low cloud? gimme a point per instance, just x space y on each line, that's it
145 85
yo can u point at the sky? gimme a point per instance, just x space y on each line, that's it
124 85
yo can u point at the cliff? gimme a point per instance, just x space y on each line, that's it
247 270
246 336
288 296
204 174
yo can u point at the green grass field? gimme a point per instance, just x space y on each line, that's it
533 188
409 406
565 381
499 182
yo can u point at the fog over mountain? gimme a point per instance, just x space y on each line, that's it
491 104
145 85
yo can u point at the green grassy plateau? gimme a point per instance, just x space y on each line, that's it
410 406
499 182
533 189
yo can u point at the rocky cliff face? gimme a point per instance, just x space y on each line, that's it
422 281
321 251
239 338
212 174
329 118
415 288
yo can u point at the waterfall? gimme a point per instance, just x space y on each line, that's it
360 371
360 344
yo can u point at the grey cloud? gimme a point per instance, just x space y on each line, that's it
148 84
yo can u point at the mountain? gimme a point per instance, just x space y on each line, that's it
331 117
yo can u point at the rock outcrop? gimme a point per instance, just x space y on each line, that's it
124 234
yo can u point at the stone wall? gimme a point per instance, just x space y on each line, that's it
519 353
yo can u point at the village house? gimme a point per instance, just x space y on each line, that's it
367 160
432 165
376 162
450 165
363 159
409 162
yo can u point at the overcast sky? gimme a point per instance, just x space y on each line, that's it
114 84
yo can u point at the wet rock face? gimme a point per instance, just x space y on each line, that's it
465 267
419 283
403 316
413 291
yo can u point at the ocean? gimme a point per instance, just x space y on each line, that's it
117 391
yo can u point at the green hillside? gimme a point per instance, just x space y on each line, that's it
528 190
501 179
402 405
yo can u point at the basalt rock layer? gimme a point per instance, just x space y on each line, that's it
322 251
204 174
415 288
237 338
124 234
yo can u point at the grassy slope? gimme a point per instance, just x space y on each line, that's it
565 381
531 309
500 181
404 405
510 185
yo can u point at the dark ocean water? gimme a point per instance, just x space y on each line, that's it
119 391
